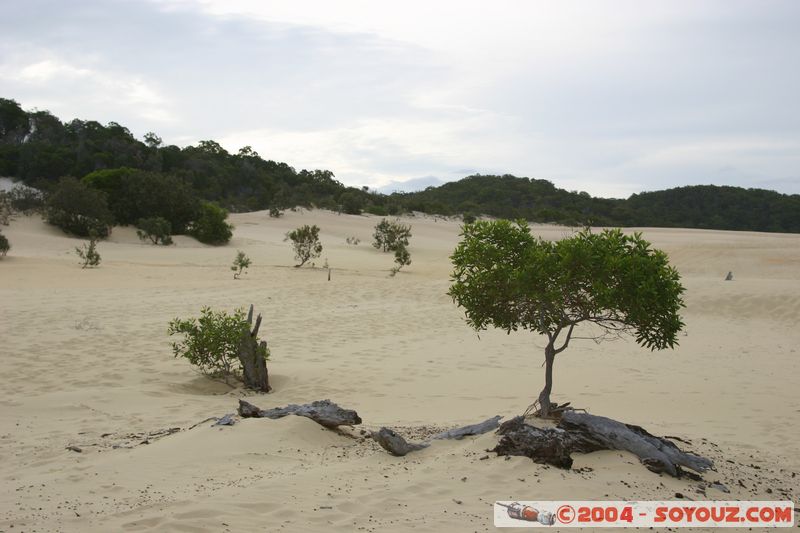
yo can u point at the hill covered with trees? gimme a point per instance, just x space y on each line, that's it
39 149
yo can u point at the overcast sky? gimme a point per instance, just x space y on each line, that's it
610 97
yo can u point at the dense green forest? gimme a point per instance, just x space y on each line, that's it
39 149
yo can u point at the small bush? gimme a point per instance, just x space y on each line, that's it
211 342
5 246
305 241
389 235
355 241
402 258
88 253
156 229
468 218
240 263
5 208
210 226
274 212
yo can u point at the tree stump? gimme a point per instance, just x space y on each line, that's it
252 354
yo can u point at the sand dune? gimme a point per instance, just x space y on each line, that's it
86 361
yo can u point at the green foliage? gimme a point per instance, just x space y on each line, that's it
352 202
401 258
240 263
5 208
37 147
506 278
5 246
468 218
305 241
156 229
211 342
274 212
78 209
210 226
134 194
389 235
89 255
379 210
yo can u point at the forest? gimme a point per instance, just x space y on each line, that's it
39 149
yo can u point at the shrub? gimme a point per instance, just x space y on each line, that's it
5 208
391 235
274 212
5 246
78 209
156 229
352 202
136 194
240 263
468 218
401 258
376 210
89 254
305 241
211 342
26 200
210 226
355 241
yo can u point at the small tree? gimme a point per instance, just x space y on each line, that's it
211 342
506 278
210 226
401 258
88 253
305 241
389 235
156 229
5 246
240 263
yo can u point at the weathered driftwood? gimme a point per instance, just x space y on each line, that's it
252 355
323 412
659 455
474 429
585 433
395 444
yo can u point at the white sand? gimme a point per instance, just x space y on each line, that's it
85 360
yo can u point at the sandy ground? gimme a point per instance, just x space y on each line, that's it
85 360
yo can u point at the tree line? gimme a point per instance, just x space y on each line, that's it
38 148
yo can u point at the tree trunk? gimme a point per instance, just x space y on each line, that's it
544 396
251 354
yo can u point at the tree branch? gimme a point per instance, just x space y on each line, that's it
566 341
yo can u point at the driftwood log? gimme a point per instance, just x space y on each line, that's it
394 443
323 412
252 354
585 433
397 445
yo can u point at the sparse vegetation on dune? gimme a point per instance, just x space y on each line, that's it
88 253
